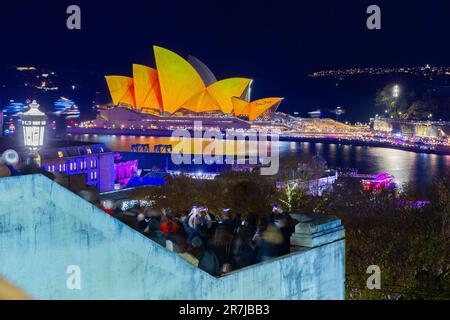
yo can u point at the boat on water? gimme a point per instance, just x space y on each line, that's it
63 103
14 108
66 107
72 112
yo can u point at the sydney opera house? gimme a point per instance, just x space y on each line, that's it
178 92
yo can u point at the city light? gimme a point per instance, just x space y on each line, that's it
396 91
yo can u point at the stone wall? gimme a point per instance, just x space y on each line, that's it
44 228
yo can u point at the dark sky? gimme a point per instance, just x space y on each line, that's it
275 42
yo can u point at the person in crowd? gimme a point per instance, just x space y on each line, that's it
4 171
242 251
221 243
208 260
129 218
173 231
227 222
262 225
153 229
270 244
250 223
169 226
226 268
142 222
286 226
108 206
192 251
197 223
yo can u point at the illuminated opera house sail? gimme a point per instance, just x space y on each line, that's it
186 88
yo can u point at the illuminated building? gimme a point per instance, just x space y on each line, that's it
177 92
124 171
379 182
68 158
424 129
177 86
95 161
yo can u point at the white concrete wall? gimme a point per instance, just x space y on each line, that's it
44 228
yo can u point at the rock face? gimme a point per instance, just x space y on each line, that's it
54 245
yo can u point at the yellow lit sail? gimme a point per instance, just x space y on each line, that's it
176 86
240 107
121 90
258 107
178 79
202 102
222 91
146 88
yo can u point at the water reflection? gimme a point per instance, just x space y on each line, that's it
406 167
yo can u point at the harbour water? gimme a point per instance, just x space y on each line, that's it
407 167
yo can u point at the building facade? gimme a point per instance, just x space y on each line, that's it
423 129
93 160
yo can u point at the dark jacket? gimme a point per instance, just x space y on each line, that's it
268 249
158 237
243 254
209 262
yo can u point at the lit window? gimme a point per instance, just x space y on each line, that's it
74 166
60 154
71 166
89 151
60 167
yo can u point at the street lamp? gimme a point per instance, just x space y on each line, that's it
33 124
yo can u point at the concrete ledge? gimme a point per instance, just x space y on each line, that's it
315 230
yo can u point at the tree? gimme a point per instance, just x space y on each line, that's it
396 106
405 242
288 194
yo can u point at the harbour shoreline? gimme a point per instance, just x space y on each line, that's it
288 138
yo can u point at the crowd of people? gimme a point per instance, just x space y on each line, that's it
215 243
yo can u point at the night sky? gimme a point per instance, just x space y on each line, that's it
277 43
